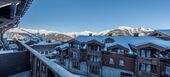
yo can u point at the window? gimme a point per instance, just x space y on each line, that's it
111 61
122 62
124 74
142 53
76 65
95 58
148 53
109 40
94 69
46 52
167 70
142 67
94 47
58 52
145 67
148 68
74 45
145 53
118 51
75 55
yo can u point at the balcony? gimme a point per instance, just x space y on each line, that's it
97 53
146 74
153 61
29 59
94 63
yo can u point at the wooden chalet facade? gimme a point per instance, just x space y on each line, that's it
115 56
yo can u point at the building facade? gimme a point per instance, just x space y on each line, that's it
116 56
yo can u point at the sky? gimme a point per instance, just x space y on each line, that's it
96 15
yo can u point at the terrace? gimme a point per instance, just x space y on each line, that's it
28 59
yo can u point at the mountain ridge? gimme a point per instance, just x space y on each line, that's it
59 36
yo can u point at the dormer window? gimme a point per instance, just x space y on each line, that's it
145 53
75 54
74 45
58 52
95 48
109 40
118 51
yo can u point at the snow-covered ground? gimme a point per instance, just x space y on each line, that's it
7 51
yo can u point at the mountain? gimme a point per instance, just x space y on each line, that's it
59 36
31 33
129 31
122 30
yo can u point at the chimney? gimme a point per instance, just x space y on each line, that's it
136 34
110 34
74 36
90 34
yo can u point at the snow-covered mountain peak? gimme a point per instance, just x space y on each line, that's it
51 35
132 28
124 27
73 34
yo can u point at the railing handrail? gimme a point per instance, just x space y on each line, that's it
57 69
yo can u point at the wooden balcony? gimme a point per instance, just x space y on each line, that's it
153 61
146 74
75 59
94 63
39 62
74 48
97 53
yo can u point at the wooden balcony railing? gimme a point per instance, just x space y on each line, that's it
43 67
154 61
97 53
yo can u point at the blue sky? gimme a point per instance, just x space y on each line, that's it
96 15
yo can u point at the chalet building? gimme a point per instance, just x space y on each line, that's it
45 47
163 34
115 56
165 67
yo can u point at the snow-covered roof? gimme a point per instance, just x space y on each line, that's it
47 43
7 51
63 45
117 43
89 38
125 40
165 31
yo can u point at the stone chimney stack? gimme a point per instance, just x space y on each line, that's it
90 34
136 34
110 34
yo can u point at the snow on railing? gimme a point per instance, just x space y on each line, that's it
57 69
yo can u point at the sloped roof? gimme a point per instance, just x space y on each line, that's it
4 3
165 31
47 43
125 40
63 45
89 38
